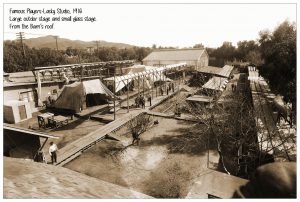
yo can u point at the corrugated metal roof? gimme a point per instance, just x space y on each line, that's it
216 83
176 54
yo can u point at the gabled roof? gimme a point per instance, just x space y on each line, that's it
175 54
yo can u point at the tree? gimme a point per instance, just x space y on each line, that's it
200 45
139 125
254 57
222 54
278 50
244 48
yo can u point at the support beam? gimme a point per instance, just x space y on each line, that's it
143 86
127 96
114 95
39 90
152 85
138 84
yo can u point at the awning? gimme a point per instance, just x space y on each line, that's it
150 74
28 131
216 83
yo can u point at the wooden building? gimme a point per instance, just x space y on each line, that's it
23 143
192 57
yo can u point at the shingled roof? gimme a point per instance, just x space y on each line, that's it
175 54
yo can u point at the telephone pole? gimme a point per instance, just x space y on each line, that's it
21 37
56 42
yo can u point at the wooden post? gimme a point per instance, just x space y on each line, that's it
39 90
160 82
138 84
114 95
165 82
152 85
127 96
143 86
208 152
81 72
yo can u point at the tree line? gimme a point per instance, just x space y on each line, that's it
17 59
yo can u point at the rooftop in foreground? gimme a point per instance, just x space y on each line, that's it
20 176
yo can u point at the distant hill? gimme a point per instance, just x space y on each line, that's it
63 44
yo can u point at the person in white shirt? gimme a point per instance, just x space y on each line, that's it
52 151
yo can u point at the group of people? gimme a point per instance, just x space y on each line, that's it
141 102
168 89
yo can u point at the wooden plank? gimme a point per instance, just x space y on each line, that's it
75 147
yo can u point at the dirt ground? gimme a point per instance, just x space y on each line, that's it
154 167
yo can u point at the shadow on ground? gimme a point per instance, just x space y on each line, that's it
191 141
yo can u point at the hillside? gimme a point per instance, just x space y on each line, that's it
49 42
27 179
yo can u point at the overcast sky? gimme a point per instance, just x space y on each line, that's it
181 25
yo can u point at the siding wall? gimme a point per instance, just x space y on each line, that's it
29 91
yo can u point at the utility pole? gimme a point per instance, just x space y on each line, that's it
97 42
21 37
56 42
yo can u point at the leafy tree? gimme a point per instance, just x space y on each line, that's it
244 47
278 50
254 57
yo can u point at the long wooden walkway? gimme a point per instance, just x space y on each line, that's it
269 138
74 149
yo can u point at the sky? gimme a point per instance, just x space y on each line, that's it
178 25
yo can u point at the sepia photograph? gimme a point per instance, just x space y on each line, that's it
162 100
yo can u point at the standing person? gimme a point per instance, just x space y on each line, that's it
52 151
143 102
173 87
161 91
149 99
136 100
167 90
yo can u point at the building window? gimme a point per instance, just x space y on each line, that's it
26 96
